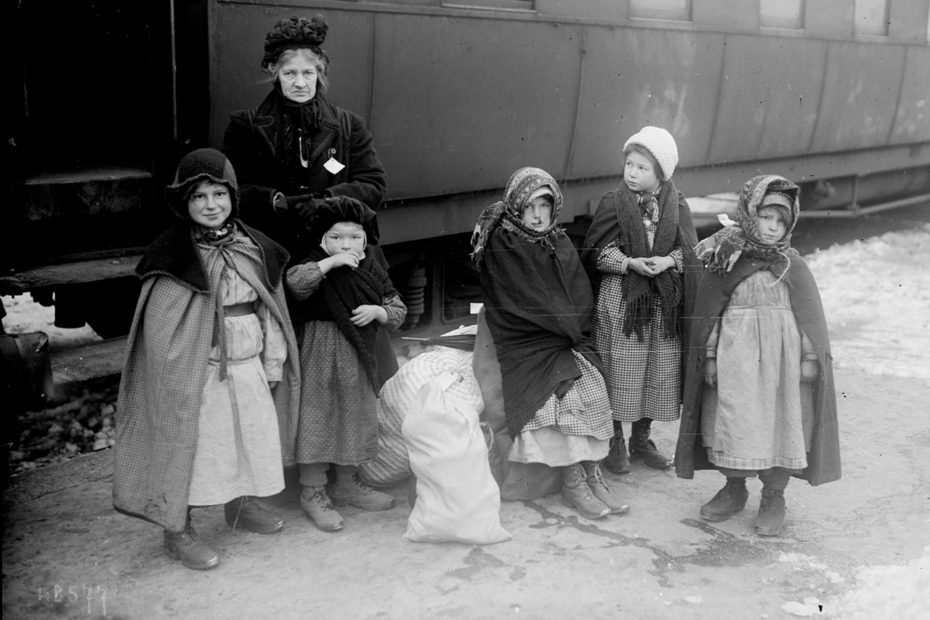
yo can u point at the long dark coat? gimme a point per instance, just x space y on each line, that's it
162 384
712 298
251 141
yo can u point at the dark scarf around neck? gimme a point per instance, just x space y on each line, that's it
641 293
339 294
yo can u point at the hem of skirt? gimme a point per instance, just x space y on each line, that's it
721 460
233 495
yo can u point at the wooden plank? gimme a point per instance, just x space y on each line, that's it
80 272
97 359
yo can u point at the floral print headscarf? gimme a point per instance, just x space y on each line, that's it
508 213
720 251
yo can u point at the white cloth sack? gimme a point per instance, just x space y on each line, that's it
457 497
399 396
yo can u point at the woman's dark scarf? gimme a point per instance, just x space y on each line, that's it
300 122
720 251
340 292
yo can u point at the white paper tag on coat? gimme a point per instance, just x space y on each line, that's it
333 166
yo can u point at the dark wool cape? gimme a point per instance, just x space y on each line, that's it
713 296
538 305
167 355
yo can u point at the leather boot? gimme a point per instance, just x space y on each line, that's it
245 513
601 491
771 518
577 494
187 547
641 447
617 461
350 491
727 502
315 503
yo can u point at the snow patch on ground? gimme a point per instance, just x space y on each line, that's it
887 593
876 296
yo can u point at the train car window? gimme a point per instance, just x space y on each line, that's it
781 14
677 10
871 17
525 5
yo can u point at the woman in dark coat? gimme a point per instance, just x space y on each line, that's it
296 147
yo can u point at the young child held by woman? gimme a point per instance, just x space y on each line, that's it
538 305
638 253
341 298
758 396
196 421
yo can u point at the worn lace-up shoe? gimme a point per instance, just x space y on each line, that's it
245 513
770 521
609 497
617 461
315 503
577 494
727 502
353 492
186 547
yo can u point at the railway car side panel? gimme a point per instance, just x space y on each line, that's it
634 77
860 92
769 98
460 103
912 119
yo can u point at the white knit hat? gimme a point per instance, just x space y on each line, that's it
661 144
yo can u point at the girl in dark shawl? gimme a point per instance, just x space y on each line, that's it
758 394
196 421
342 298
538 304
638 252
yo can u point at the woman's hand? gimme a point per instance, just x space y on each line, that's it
809 370
365 314
710 372
642 266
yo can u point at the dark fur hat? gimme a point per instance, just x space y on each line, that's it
295 33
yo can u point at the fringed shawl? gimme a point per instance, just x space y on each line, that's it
619 218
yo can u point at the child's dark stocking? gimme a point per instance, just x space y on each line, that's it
617 460
642 447
771 518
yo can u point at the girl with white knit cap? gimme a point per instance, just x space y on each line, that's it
638 253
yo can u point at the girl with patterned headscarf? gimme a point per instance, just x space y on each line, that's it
758 395
197 421
538 305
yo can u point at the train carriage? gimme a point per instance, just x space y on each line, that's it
834 94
